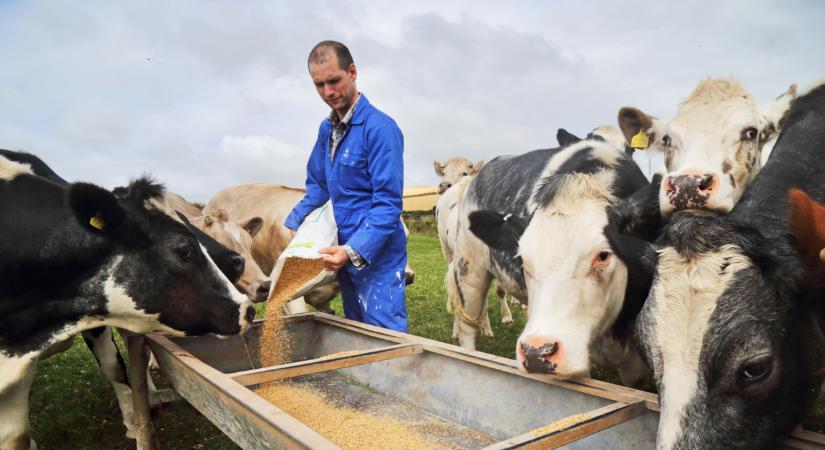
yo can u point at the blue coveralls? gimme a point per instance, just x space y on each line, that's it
365 180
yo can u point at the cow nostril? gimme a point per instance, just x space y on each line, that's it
706 183
550 350
263 291
250 313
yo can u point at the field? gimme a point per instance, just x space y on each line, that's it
74 408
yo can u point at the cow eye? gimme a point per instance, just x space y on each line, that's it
602 258
185 251
463 174
749 134
756 371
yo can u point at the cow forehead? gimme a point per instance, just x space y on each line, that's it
714 119
10 169
684 296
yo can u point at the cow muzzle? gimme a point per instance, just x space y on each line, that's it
443 186
690 190
539 354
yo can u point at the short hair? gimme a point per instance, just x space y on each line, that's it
318 54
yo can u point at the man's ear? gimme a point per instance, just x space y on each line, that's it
633 120
96 209
772 115
477 167
253 226
498 231
566 138
439 168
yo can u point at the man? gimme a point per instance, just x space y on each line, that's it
357 162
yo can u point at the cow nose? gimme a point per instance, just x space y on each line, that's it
262 292
690 190
250 313
443 186
537 354
238 263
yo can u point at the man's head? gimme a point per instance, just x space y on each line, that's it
333 73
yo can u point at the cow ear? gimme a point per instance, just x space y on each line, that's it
96 209
498 231
633 120
772 115
439 168
253 226
639 214
807 227
477 166
637 254
566 138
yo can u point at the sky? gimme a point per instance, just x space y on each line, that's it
207 94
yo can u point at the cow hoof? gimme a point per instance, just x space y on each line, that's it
507 320
486 332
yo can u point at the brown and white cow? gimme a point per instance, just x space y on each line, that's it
452 171
237 236
712 146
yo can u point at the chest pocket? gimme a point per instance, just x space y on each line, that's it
353 171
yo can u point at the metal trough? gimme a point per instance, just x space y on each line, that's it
476 400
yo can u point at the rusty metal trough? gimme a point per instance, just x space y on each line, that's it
476 400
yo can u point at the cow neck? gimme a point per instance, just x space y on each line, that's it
797 160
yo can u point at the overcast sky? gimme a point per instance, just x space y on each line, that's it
207 94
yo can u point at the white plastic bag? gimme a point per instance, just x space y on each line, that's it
316 232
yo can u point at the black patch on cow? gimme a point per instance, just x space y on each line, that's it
37 165
497 231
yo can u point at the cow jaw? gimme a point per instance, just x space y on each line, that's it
682 300
571 303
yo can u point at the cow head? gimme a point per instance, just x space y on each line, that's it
575 286
238 237
736 353
159 277
712 147
452 171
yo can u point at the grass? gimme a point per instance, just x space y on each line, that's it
73 407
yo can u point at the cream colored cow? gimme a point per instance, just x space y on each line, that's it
452 171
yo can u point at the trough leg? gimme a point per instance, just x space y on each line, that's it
138 364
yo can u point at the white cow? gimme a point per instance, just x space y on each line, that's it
712 147
452 171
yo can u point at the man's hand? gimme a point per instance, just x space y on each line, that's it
336 258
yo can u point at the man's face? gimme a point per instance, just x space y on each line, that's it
335 85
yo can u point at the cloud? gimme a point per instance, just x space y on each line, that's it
209 94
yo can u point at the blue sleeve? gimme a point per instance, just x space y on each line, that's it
316 185
386 168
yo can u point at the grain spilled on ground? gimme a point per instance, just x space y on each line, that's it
346 427
560 424
274 345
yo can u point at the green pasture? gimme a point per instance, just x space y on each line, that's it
73 407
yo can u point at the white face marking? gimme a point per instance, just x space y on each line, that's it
235 294
10 169
684 297
572 301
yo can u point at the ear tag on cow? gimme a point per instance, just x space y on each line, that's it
639 140
96 222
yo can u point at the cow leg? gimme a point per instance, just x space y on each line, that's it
467 285
102 344
15 431
506 314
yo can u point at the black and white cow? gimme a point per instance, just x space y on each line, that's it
712 146
534 222
730 327
100 341
77 257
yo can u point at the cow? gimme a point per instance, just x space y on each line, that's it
731 326
452 171
712 146
238 237
100 341
108 261
540 236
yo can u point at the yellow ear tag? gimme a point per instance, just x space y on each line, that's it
96 222
639 140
